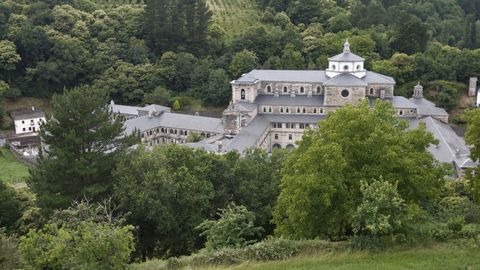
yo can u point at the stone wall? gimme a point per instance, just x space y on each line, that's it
333 96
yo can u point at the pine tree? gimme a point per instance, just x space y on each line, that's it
81 142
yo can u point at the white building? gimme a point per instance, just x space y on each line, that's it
28 120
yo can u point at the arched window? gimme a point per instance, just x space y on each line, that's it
318 89
287 110
371 91
314 110
400 112
298 109
269 89
302 90
264 109
269 109
345 93
242 94
290 147
321 110
345 67
285 89
276 146
281 109
304 110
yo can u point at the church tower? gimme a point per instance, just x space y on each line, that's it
418 91
346 62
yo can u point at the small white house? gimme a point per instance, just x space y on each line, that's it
28 120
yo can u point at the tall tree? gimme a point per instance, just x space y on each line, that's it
81 142
320 187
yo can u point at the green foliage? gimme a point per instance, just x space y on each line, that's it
320 188
83 142
8 56
9 257
382 210
194 137
233 228
10 207
168 195
242 62
176 105
78 241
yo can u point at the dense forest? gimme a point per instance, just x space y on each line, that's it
362 177
162 51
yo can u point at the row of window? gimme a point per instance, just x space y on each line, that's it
345 67
170 131
285 89
32 122
29 129
290 125
297 110
290 136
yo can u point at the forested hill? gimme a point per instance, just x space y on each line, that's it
157 51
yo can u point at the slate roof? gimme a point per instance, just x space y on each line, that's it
346 57
124 109
155 108
345 79
426 107
287 100
175 120
451 147
305 76
249 135
401 102
27 114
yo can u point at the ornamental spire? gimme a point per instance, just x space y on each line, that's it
346 47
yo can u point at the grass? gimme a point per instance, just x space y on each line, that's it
440 256
432 258
12 171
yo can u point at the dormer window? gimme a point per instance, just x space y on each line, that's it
269 109
264 109
285 89
333 67
318 89
287 110
302 90
269 89
314 110
371 91
242 94
298 109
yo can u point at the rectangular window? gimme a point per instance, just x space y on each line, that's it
23 122
290 137
23 129
302 125
276 136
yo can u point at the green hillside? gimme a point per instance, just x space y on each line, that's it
234 16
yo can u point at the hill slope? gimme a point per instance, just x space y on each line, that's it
234 16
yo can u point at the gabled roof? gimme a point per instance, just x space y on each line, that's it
377 78
426 107
249 135
27 114
345 79
124 109
451 147
400 102
306 76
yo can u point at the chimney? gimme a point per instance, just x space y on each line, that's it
150 114
472 88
